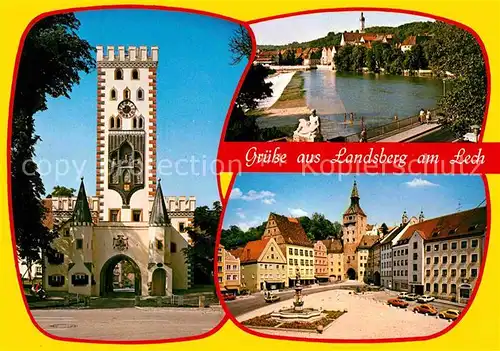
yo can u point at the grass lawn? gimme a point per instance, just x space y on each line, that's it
293 95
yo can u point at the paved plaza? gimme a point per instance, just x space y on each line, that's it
129 323
368 317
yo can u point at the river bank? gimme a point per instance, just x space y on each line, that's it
288 96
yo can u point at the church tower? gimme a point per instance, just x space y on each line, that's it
126 132
353 229
362 23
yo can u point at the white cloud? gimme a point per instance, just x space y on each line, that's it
297 212
245 225
269 201
267 197
420 183
239 213
236 193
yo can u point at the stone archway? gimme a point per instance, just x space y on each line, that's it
106 276
159 282
351 274
376 278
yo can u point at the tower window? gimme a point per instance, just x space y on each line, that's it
112 122
173 247
141 123
135 74
118 123
134 123
126 94
182 227
140 94
136 215
118 74
112 94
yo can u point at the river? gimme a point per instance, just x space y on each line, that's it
376 97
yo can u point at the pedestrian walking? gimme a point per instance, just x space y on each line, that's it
421 115
428 116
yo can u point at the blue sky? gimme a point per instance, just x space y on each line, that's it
312 26
382 197
195 85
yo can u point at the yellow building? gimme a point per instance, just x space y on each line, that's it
294 244
335 256
363 253
263 265
228 271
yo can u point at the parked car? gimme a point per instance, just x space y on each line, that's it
449 314
402 295
229 297
426 309
411 297
425 299
397 303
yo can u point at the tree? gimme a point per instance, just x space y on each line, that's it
235 237
318 227
455 50
240 45
254 88
200 254
52 58
60 190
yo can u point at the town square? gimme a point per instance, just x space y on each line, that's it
292 273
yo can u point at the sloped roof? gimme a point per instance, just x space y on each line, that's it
81 213
159 215
392 234
367 241
292 231
411 40
354 207
333 245
251 251
453 225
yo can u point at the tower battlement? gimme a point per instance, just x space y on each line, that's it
130 54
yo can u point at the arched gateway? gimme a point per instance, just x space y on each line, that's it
351 274
107 278
131 221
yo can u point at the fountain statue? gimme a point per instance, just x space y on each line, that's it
297 312
307 130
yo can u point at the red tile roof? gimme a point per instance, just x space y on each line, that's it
411 40
292 231
465 223
252 250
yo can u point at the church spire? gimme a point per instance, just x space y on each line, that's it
81 213
159 215
354 192
355 208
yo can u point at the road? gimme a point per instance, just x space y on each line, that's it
128 323
247 304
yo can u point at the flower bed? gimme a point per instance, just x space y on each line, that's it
326 320
266 321
262 321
